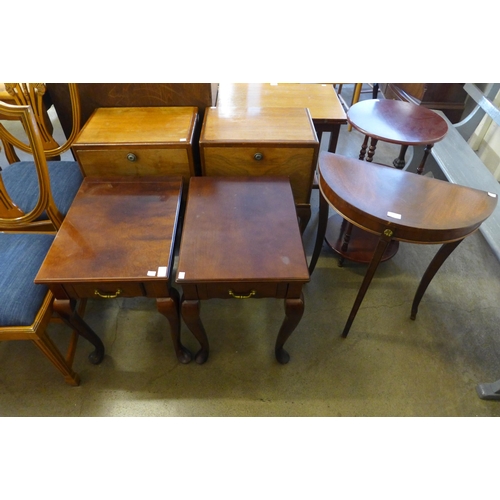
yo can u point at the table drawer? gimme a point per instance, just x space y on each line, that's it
105 290
240 290
298 163
135 161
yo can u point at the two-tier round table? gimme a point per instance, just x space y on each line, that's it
395 122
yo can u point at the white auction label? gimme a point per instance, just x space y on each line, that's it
394 215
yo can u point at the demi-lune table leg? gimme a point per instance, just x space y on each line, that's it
384 241
438 260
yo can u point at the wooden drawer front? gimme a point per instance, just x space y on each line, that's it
87 290
104 162
241 290
296 163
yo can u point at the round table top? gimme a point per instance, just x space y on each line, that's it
397 122
416 208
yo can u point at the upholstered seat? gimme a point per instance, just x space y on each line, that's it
21 181
25 307
21 255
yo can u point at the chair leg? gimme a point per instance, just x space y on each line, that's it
355 98
45 344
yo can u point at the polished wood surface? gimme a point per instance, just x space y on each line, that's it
138 218
255 142
138 141
322 101
397 205
118 240
241 239
137 126
239 126
397 122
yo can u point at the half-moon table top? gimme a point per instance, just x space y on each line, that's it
415 208
397 122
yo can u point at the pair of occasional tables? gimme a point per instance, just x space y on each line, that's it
240 239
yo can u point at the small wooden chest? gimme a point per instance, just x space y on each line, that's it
140 141
262 142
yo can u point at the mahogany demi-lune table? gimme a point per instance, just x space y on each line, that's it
397 205
395 122
118 240
241 240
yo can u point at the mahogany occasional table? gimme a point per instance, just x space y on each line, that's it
241 240
397 205
118 240
396 122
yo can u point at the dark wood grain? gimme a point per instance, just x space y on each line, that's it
117 240
397 122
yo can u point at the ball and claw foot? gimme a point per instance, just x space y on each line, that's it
282 356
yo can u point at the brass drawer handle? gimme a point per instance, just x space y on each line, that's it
251 294
258 156
131 157
108 295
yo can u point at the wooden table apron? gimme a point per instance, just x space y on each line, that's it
241 240
397 205
117 240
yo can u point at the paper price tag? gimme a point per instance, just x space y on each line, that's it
394 215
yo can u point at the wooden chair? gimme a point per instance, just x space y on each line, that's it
26 308
44 189
29 94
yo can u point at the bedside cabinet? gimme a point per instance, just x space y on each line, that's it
262 142
138 141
